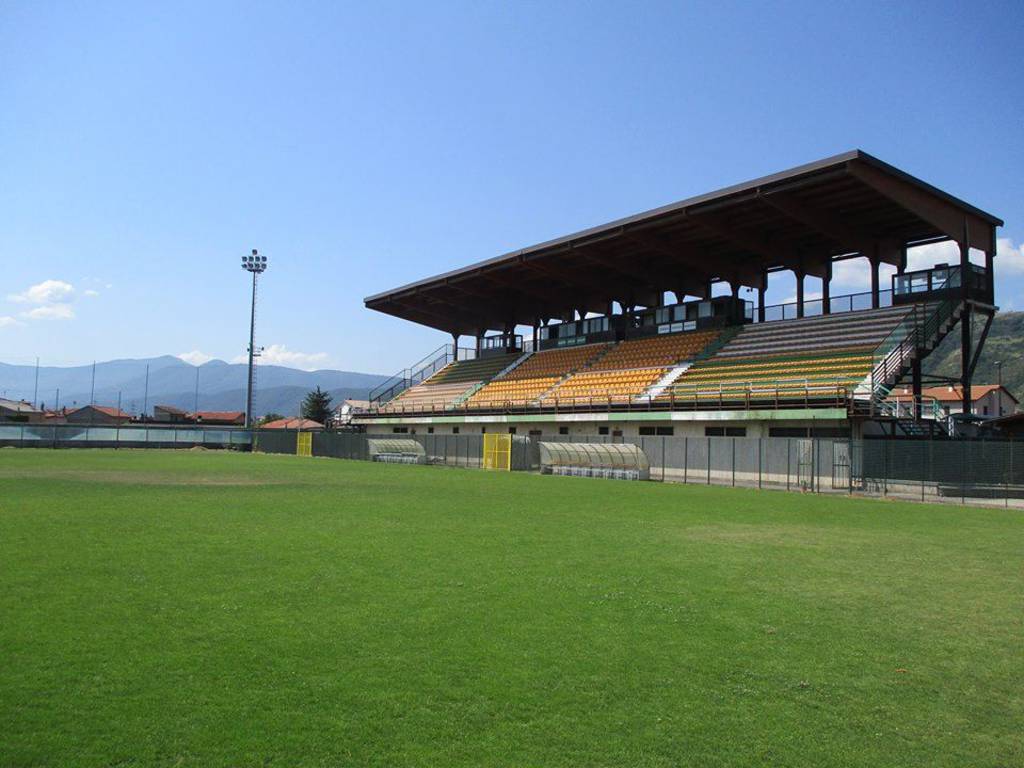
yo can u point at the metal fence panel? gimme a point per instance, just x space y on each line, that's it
963 471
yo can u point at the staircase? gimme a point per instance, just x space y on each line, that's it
569 374
926 428
481 384
663 383
917 334
414 374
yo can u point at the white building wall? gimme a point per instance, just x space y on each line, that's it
583 429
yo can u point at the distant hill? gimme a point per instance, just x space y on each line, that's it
172 381
1005 343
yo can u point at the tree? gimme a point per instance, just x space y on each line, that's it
317 406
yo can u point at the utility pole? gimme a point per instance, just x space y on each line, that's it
35 390
254 264
145 396
195 407
92 394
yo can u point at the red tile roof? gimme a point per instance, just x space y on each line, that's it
109 410
171 409
219 415
293 423
950 394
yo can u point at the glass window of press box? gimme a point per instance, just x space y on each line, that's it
576 332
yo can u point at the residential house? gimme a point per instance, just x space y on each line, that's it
168 414
306 425
988 401
97 414
347 409
218 418
18 411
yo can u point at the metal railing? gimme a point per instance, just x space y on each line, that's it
851 302
917 331
419 371
732 395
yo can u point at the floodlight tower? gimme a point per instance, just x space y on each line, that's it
255 264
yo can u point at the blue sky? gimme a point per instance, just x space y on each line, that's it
144 148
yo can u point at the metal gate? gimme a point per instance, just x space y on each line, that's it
304 444
805 464
840 466
498 452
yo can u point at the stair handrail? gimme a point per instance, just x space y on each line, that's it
908 337
415 373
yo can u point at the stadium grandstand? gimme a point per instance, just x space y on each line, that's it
618 330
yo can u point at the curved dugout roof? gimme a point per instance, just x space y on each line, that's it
802 219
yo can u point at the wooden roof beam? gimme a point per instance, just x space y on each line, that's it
939 213
757 245
834 227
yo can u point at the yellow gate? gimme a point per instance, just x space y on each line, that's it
304 444
498 452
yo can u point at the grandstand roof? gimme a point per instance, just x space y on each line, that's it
842 206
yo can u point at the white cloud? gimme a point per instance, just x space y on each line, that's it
195 357
279 354
46 292
6 321
927 256
51 299
1009 257
90 292
851 274
808 297
50 312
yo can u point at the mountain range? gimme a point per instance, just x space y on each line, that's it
1005 344
172 381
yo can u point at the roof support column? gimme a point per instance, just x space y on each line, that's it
761 291
799 291
965 324
455 346
915 368
901 268
826 296
990 276
875 264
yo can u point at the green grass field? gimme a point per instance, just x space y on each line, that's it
222 609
